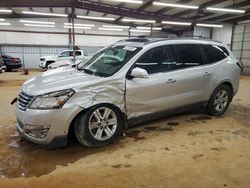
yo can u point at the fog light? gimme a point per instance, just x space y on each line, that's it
37 131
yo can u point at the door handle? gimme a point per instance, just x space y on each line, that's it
170 81
207 74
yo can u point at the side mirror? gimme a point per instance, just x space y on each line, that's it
139 73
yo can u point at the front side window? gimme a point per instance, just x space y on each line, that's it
190 55
170 59
214 53
109 60
156 60
65 54
150 60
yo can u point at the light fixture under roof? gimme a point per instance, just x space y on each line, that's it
149 28
139 31
44 14
128 1
36 22
5 23
136 20
226 10
110 29
80 25
38 25
5 11
176 23
76 27
175 5
2 20
209 25
116 26
95 18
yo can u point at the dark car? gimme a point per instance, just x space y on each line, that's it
2 66
11 62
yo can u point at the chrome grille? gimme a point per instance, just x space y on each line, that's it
23 100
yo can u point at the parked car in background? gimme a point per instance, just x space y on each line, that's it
130 82
66 55
2 66
59 64
11 62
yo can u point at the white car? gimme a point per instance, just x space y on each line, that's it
130 82
64 56
59 64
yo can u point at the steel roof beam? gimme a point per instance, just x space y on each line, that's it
209 3
165 9
238 5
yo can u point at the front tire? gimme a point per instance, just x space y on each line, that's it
99 126
48 63
219 101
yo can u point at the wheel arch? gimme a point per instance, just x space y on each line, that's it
48 62
227 83
71 133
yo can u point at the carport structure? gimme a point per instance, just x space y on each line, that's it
158 11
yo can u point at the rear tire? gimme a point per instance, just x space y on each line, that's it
100 125
219 101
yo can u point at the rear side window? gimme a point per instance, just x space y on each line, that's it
214 53
224 50
189 55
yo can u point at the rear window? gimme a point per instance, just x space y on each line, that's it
214 53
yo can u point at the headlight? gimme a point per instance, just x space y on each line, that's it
51 100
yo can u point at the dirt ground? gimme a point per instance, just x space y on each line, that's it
185 150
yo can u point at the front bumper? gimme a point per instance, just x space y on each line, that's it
42 64
59 121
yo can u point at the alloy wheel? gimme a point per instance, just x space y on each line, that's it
221 100
102 123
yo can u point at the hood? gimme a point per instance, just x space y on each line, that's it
58 79
49 57
58 63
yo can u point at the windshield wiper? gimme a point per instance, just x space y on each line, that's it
88 71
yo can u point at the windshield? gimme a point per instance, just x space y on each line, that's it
109 60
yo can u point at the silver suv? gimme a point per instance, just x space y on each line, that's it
129 82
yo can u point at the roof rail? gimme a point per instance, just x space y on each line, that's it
136 39
146 39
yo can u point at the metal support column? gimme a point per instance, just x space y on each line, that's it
73 32
151 30
232 37
242 44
